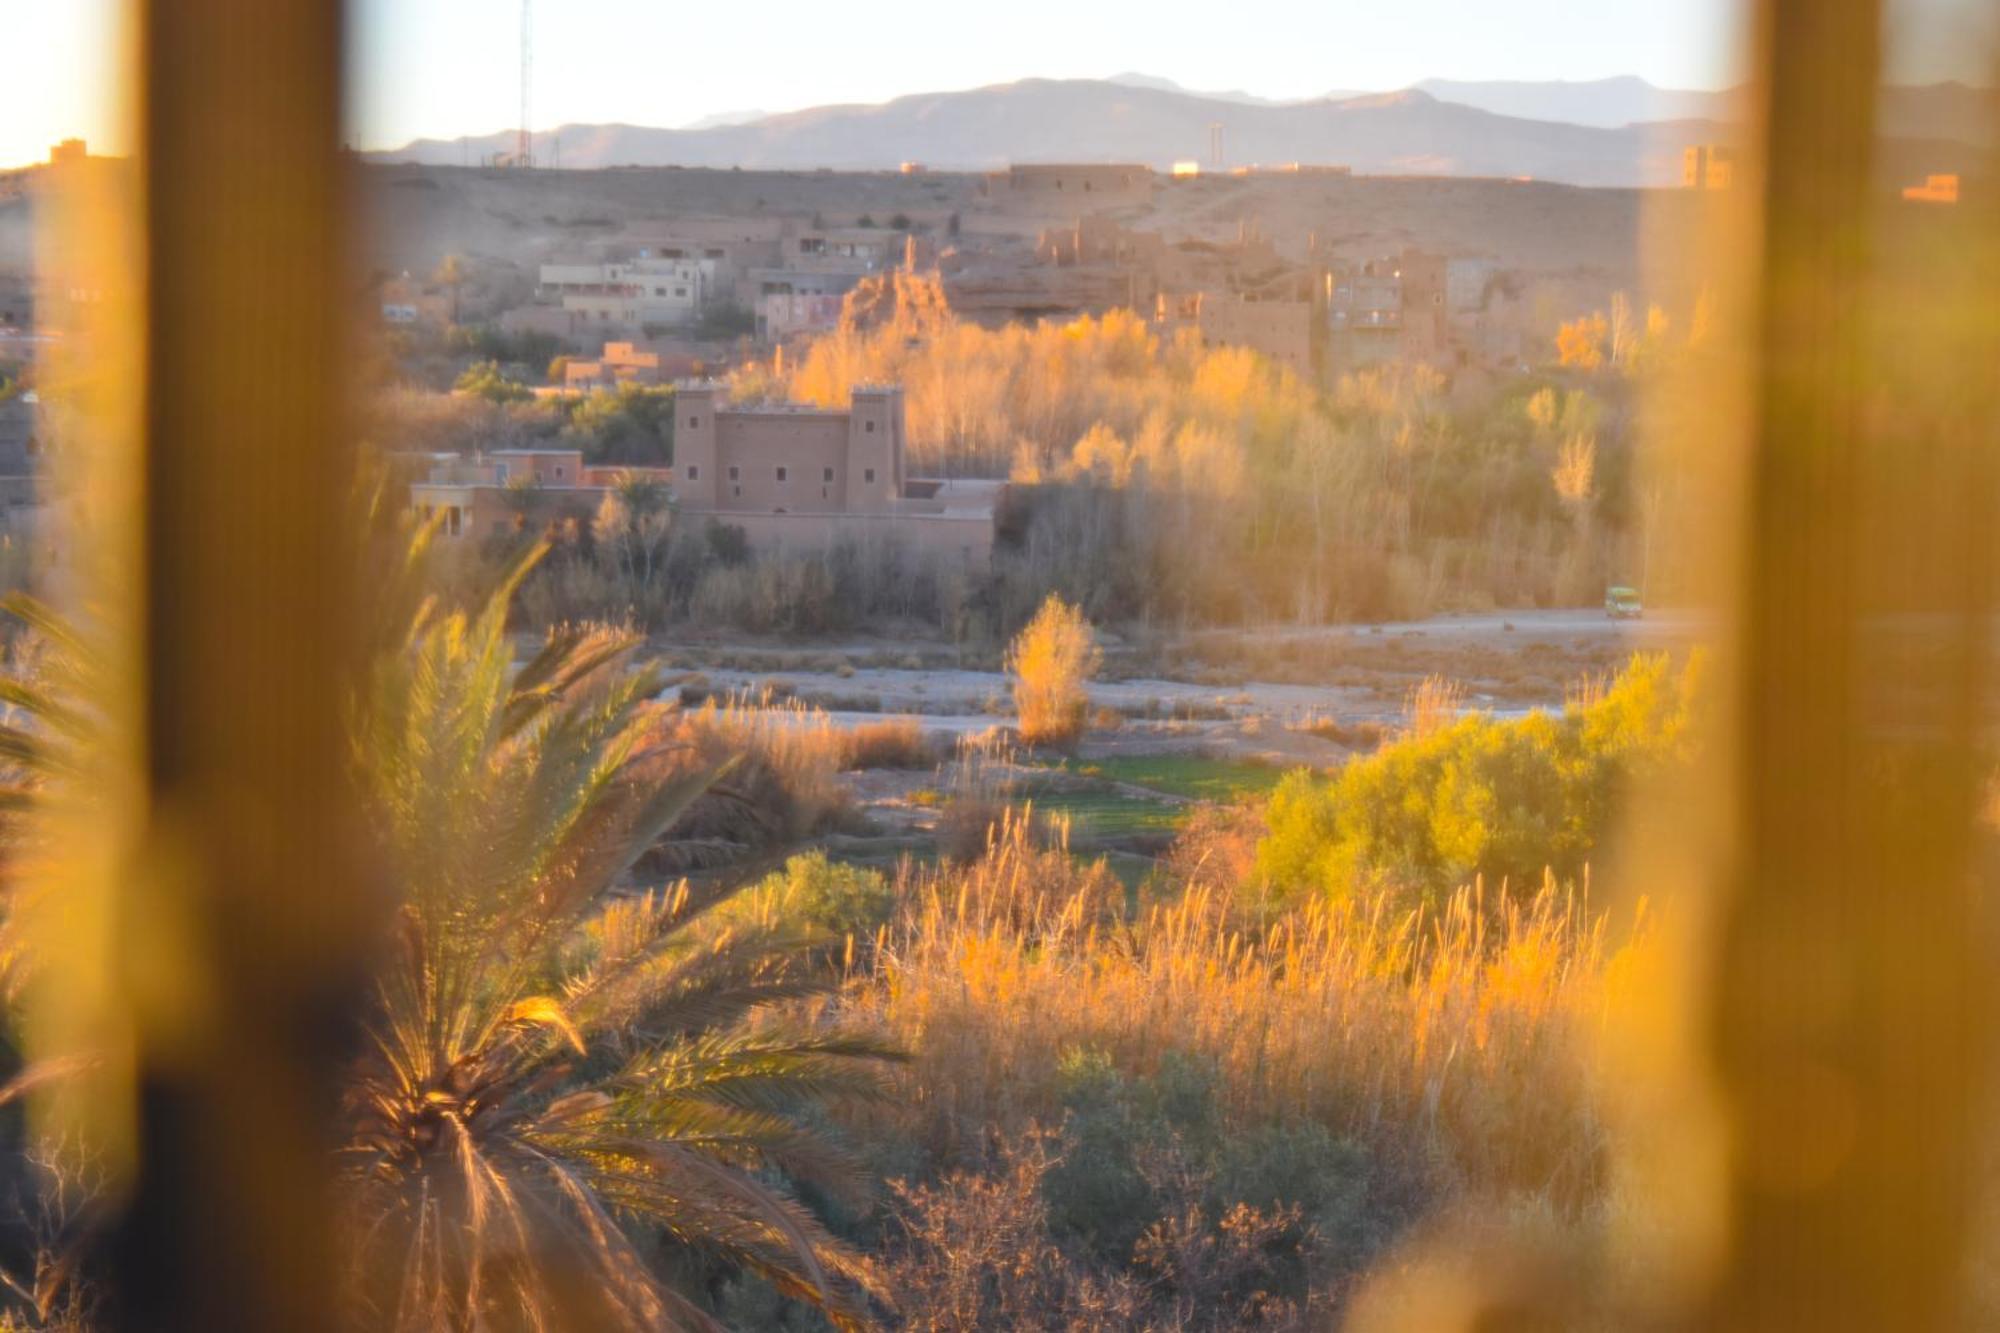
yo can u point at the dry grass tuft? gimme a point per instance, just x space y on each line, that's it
898 742
1433 705
786 784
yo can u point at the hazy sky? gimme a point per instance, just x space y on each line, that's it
437 66
449 67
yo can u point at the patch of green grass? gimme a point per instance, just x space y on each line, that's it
1195 776
1105 813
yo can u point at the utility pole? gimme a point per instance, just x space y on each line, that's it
524 140
1215 145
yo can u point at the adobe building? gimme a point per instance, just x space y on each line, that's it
799 477
629 294
407 300
620 363
1708 166
1426 312
731 246
1277 327
510 490
1936 189
792 477
1096 239
816 269
1390 310
1059 187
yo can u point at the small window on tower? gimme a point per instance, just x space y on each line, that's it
826 474
783 475
694 423
735 472
694 472
869 427
868 475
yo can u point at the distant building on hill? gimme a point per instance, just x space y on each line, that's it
1708 166
630 293
1934 190
621 363
406 300
1391 309
1060 187
791 477
816 268
1280 328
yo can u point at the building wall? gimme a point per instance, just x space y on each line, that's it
548 467
843 481
1426 307
875 450
1280 330
728 459
610 474
781 315
809 447
940 538
733 246
477 511
695 479
1068 186
1099 240
631 293
1708 167
470 510
621 363
846 250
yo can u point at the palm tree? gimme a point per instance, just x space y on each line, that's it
49 721
633 522
561 1068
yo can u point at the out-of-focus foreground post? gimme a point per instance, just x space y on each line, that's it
246 570
1848 1015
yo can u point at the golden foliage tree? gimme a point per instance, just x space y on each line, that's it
1580 342
1051 661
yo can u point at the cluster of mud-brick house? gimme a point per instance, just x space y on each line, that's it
792 477
778 276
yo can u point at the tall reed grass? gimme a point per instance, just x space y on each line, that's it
1452 1042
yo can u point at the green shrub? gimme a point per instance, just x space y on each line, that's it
633 423
1096 1193
484 379
1479 796
1133 1147
829 896
1306 1166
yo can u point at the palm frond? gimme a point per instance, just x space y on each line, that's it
559 1055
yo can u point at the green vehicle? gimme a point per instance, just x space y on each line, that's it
1623 604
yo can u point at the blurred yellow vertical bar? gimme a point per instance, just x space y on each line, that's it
1847 1016
246 580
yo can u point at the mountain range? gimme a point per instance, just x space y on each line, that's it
1610 132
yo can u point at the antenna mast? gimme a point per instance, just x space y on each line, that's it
524 141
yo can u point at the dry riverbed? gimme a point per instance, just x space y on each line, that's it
1214 716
